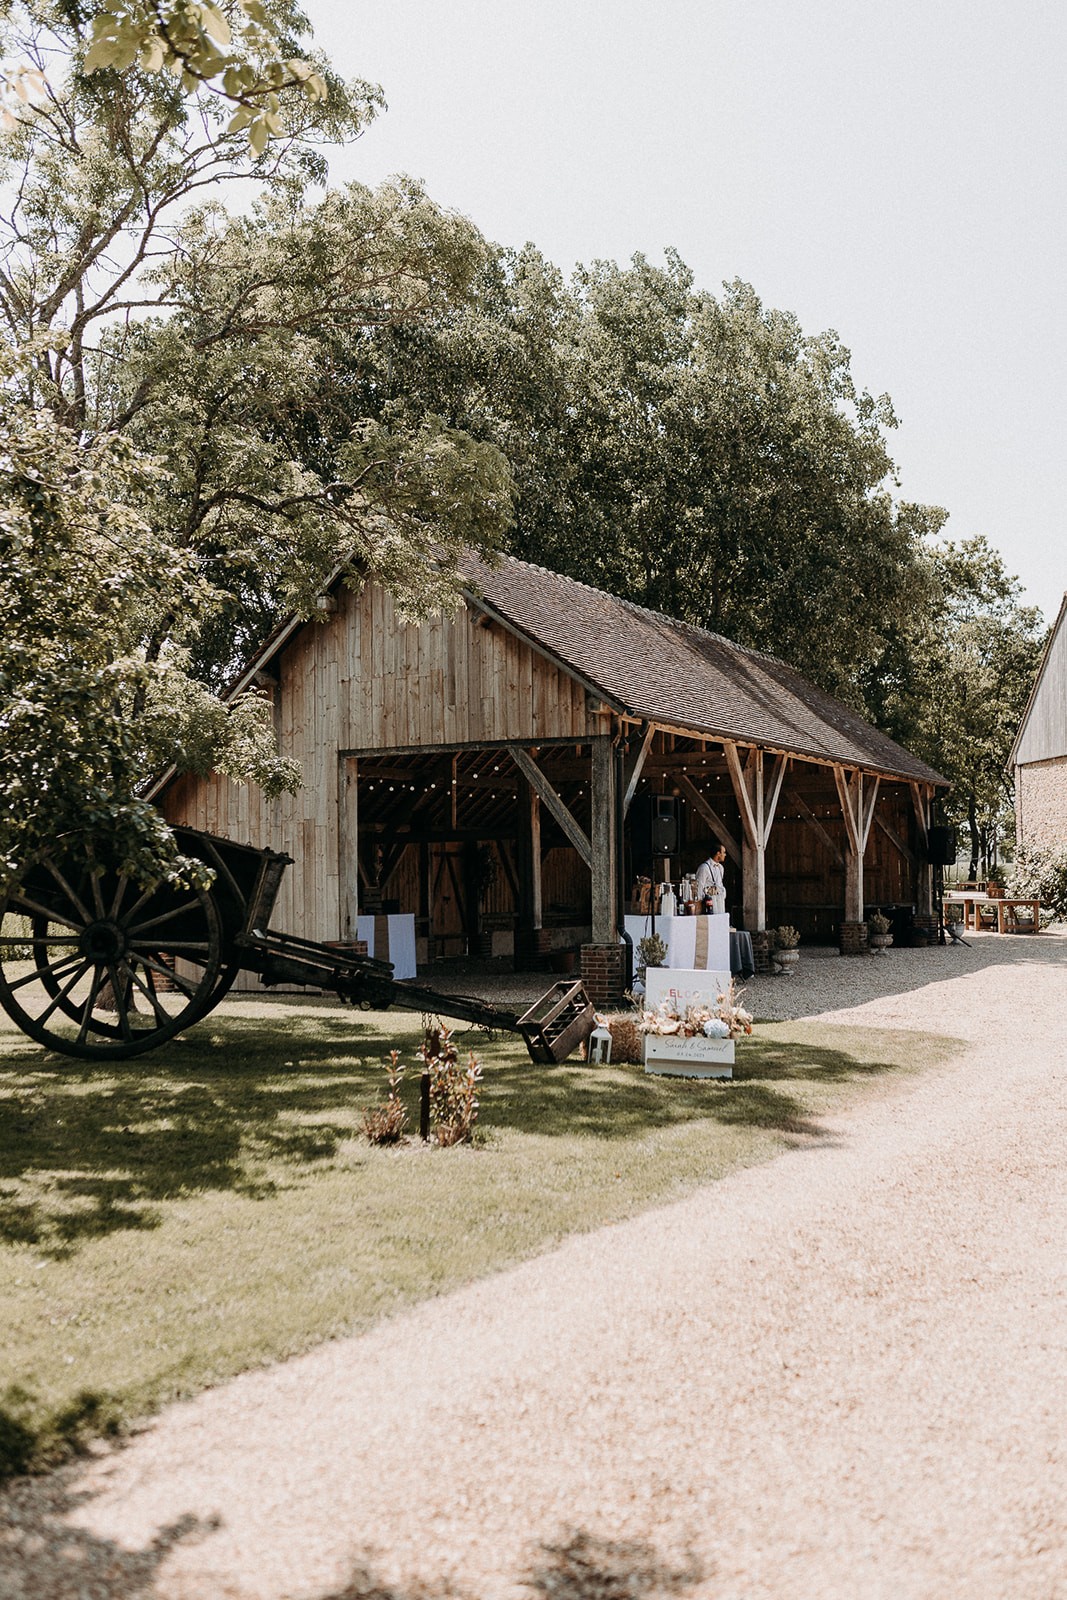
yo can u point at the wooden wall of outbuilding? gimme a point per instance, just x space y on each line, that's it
364 679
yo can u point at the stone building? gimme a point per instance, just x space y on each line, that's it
1039 756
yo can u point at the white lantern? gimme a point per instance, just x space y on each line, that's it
599 1046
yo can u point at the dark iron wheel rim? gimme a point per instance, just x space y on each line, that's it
122 969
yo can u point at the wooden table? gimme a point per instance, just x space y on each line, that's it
1007 905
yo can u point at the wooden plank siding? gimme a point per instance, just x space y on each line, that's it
362 679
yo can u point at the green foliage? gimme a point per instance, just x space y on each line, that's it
180 461
953 680
237 56
1042 874
651 952
84 712
697 454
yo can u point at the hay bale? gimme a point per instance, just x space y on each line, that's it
627 1040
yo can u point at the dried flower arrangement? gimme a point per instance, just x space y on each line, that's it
726 1019
877 923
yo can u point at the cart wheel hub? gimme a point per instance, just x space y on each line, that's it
103 941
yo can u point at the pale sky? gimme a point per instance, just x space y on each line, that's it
892 172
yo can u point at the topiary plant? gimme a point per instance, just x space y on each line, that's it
651 952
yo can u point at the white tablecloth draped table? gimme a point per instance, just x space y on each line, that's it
390 939
693 943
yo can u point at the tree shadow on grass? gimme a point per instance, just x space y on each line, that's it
623 1102
33 1441
248 1106
88 1150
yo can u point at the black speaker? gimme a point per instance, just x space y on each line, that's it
665 831
653 830
941 846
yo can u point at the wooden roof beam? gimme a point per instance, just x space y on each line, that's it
813 822
635 765
553 801
710 816
743 778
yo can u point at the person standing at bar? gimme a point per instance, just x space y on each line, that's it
711 880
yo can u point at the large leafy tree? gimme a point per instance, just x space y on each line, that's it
83 714
697 454
701 455
282 468
179 360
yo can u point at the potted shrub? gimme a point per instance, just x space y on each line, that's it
784 946
650 952
879 936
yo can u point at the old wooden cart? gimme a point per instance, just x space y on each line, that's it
102 969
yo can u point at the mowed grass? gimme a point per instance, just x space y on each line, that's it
168 1222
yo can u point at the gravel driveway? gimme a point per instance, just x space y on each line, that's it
837 1375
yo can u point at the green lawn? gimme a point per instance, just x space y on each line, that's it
212 1206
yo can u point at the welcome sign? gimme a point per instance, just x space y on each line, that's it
669 1054
682 987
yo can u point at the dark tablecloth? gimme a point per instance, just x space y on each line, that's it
742 960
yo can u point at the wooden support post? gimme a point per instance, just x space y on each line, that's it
603 863
528 906
858 795
348 870
472 897
922 800
757 798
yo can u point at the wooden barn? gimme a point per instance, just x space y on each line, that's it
1039 755
492 775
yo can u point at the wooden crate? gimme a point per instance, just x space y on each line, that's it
557 1023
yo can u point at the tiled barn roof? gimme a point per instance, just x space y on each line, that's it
653 667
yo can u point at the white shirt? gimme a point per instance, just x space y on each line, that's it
711 880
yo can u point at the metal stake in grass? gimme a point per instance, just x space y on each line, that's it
424 1107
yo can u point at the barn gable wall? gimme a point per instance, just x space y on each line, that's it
364 680
1043 736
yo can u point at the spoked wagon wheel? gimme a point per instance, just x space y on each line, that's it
114 969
